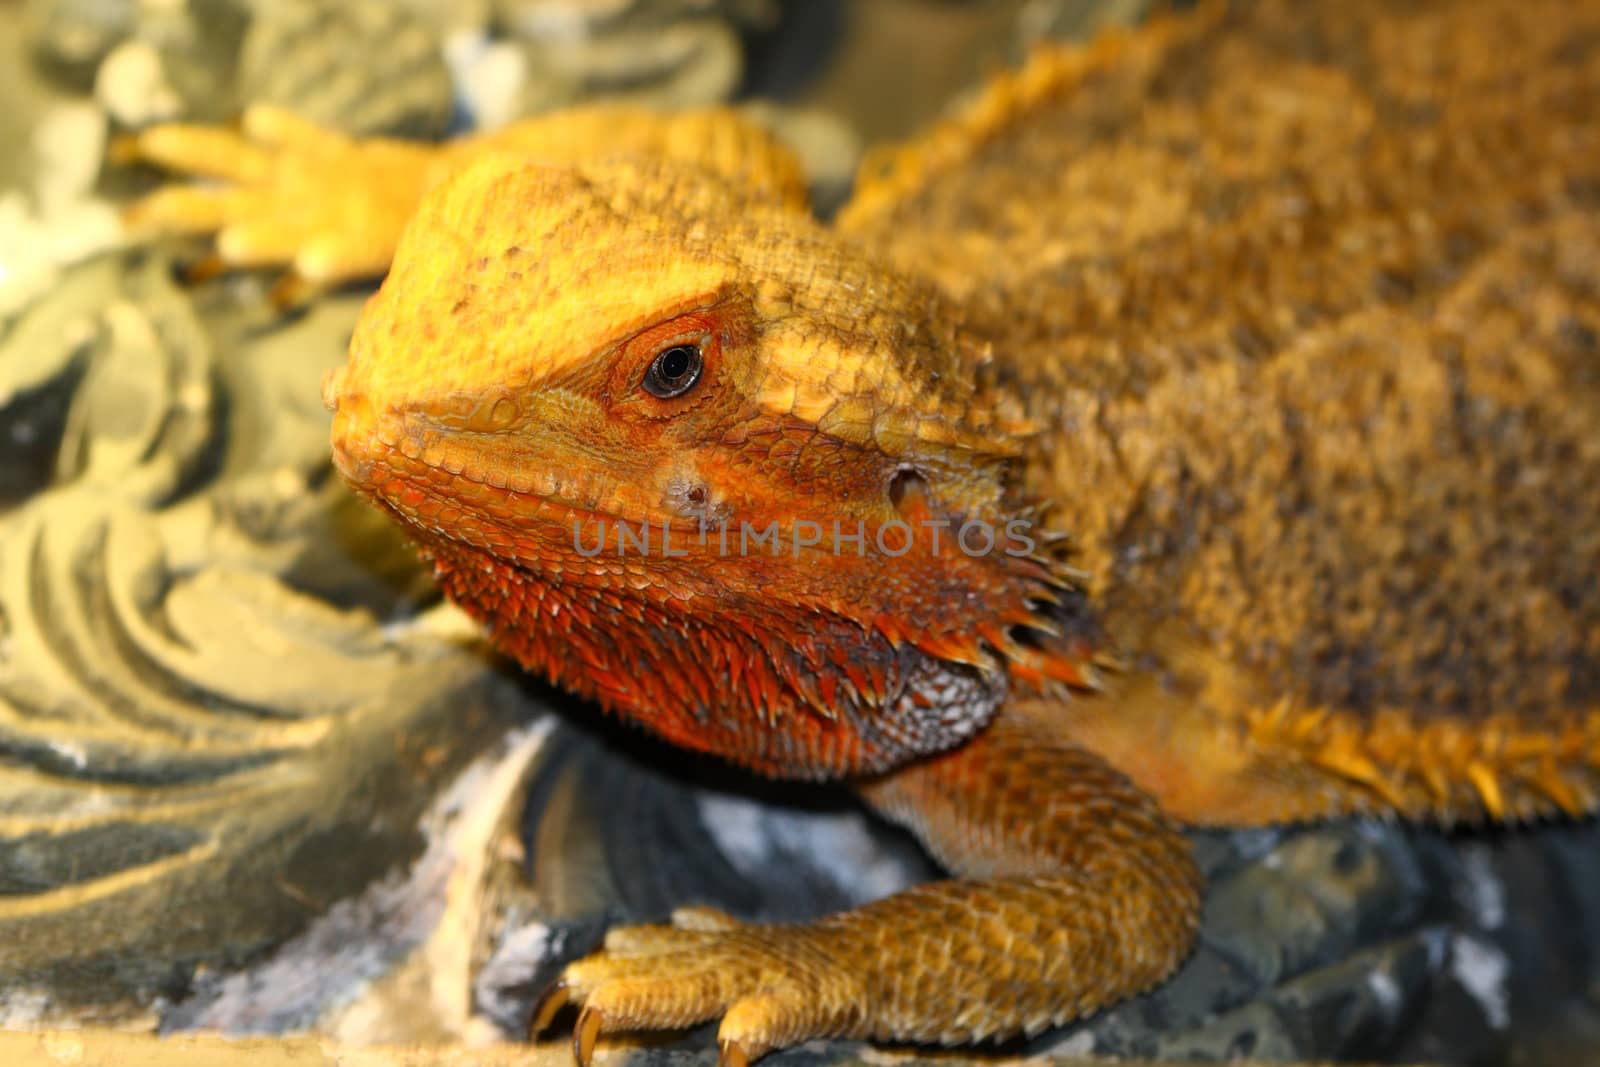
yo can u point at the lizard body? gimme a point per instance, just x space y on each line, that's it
1287 319
1296 387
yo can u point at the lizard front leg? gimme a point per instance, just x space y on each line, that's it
288 193
1072 890
333 207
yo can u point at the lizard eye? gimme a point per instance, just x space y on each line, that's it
674 371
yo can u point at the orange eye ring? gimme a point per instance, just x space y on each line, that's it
662 371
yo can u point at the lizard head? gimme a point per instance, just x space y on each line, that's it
689 453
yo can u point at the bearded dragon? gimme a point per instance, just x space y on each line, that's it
1258 347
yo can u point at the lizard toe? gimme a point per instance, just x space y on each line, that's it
770 985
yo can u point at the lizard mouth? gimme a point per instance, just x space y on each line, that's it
520 500
469 457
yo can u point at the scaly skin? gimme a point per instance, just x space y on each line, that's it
1288 318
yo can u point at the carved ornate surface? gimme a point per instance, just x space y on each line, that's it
212 724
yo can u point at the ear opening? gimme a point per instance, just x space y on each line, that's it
906 481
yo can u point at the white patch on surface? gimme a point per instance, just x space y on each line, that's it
753 837
488 76
737 826
68 145
531 942
132 84
71 753
444 621
1384 990
1482 968
358 940
22 1009
57 222
518 955
1480 889
1079 1044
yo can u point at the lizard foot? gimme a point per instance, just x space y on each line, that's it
773 985
285 193
1072 891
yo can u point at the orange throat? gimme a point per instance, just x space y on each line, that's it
808 687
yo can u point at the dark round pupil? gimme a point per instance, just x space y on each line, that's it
673 372
675 362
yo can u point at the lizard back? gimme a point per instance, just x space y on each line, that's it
1305 297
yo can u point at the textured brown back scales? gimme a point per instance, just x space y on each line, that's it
1308 305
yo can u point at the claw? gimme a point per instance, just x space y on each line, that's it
556 997
584 1035
732 1054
